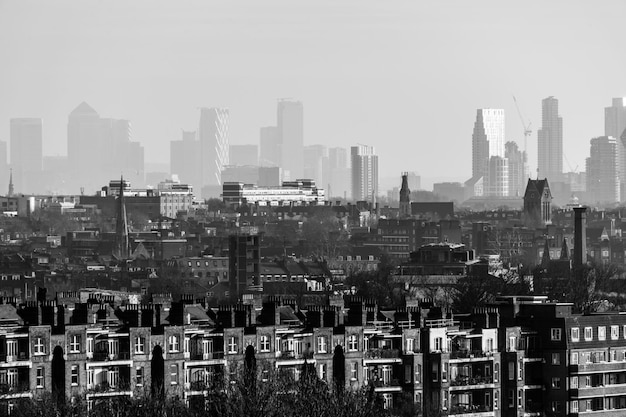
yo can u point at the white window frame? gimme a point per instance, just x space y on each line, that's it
232 344
588 334
75 375
322 346
264 343
40 347
555 334
173 344
140 345
75 343
614 332
575 334
601 332
40 377
574 358
353 343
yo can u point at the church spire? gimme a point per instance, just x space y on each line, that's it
564 250
122 244
405 197
11 189
545 259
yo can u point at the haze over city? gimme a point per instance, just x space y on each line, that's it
405 77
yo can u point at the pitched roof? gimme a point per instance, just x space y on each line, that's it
537 186
83 108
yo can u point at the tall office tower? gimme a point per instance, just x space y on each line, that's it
100 149
364 173
518 169
339 176
270 152
602 171
615 126
26 154
291 137
214 147
244 155
4 168
550 141
487 139
415 181
497 184
316 164
185 158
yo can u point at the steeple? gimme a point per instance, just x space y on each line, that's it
122 244
405 197
11 189
564 250
545 259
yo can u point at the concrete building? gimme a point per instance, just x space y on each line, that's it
27 154
550 141
316 164
488 140
364 173
185 159
603 185
518 169
340 176
291 137
299 192
270 152
175 197
214 148
615 126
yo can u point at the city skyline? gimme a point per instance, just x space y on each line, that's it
130 74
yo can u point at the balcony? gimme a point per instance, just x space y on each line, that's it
381 385
462 381
7 389
290 354
21 356
382 356
474 410
102 356
198 356
470 354
104 389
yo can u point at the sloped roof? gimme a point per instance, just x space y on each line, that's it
83 108
8 315
537 186
197 314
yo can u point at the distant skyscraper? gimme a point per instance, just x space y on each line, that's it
214 146
291 137
26 154
615 126
340 177
270 148
244 155
185 160
518 169
100 149
550 141
4 167
487 139
602 171
364 173
316 164
497 184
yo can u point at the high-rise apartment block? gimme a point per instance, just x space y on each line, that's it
99 149
518 169
316 164
291 137
550 141
185 159
615 126
364 173
602 171
26 153
214 148
270 148
340 177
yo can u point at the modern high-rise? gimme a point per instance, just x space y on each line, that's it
100 149
602 171
185 159
550 141
4 168
518 169
214 148
291 137
270 149
316 164
364 173
340 177
488 139
615 126
26 153
244 155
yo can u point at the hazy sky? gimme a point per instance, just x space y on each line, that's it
404 76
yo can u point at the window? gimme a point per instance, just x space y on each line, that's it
139 344
418 374
496 398
40 378
520 370
511 371
575 334
601 333
555 334
573 383
75 343
90 345
232 344
574 358
74 375
11 348
323 372
445 400
139 376
40 348
556 358
556 406
511 398
409 345
354 371
173 344
352 343
614 332
444 373
265 344
496 372
574 406
438 344
174 374
520 398
613 355
588 334
556 382
321 344
512 343
89 378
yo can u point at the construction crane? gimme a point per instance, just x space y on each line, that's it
526 126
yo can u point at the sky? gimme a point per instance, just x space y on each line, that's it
403 76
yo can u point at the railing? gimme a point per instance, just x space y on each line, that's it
290 354
477 380
21 356
105 356
382 353
9 388
462 354
468 408
106 387
441 323
381 383
206 356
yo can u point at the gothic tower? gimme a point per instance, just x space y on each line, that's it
405 197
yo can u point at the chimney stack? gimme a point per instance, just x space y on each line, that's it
580 236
